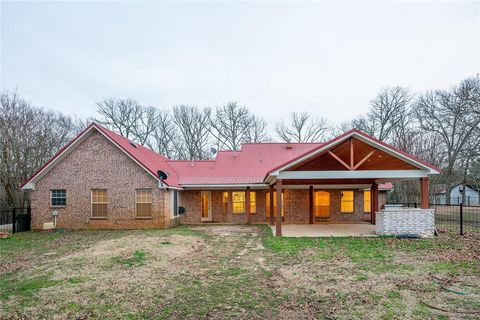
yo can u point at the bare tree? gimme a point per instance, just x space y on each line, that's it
149 121
29 137
229 125
129 118
363 123
340 128
194 132
389 116
258 131
469 161
474 175
425 146
163 136
453 116
387 111
302 128
121 115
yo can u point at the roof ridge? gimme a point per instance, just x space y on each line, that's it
137 144
159 158
180 160
276 142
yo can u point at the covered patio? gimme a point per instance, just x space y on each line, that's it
328 230
353 161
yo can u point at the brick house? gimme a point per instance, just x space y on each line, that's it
103 180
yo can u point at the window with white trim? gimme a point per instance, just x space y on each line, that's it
321 202
175 203
253 202
143 202
347 202
238 201
367 201
58 198
99 203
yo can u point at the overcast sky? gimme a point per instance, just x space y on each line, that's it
326 58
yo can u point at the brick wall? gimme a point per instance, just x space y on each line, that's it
191 200
102 167
405 221
295 206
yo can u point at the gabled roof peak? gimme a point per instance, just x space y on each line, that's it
146 158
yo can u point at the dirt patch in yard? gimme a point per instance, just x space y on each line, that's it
121 264
159 247
227 230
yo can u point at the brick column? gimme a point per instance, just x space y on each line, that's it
373 202
424 192
272 213
310 204
278 230
247 204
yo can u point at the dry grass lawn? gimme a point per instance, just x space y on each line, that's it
221 272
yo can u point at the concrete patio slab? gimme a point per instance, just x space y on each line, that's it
327 230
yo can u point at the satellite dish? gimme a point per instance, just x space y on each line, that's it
213 150
162 175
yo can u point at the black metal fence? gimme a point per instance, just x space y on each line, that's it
15 220
457 218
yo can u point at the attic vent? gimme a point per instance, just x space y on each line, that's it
133 144
289 146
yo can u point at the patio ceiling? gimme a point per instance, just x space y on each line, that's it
354 156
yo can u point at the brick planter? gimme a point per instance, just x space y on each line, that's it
405 221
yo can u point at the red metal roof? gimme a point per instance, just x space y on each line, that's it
385 186
149 159
246 166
